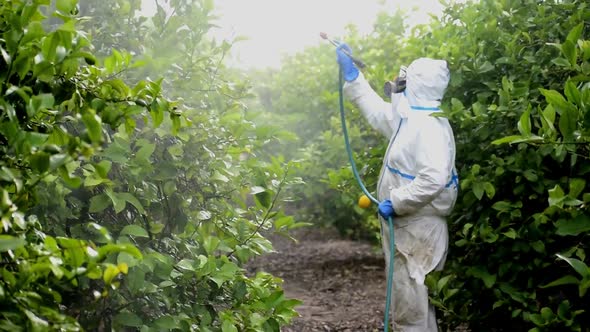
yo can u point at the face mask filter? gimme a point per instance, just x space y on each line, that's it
398 85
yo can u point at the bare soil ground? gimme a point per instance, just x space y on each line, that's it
341 283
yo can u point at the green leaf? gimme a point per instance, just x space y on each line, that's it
157 117
226 272
575 33
584 286
133 201
134 230
565 280
93 181
8 277
511 233
110 273
442 282
40 102
37 324
40 162
274 299
103 231
556 196
524 124
577 264
66 6
264 199
228 326
257 189
569 52
572 93
219 177
502 206
257 319
210 243
548 118
538 246
573 227
93 125
186 264
128 319
166 323
513 292
117 248
74 250
531 175
127 259
136 280
22 64
57 160
489 189
89 58
556 99
8 242
568 123
103 168
145 151
576 187
283 221
175 123
5 201
562 62
5 56
98 203
547 313
585 46
537 320
170 187
507 139
457 105
485 67
483 274
564 309
478 190
118 201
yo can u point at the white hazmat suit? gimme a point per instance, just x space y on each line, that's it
418 176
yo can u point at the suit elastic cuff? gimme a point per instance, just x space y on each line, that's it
395 202
356 88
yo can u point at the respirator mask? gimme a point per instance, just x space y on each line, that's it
397 85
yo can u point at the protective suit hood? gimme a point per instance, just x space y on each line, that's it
427 80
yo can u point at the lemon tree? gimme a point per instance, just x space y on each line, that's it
126 200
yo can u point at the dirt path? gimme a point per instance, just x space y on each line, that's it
341 283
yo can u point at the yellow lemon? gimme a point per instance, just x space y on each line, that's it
364 202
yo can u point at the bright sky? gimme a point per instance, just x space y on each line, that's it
279 27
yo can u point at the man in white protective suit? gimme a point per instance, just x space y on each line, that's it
418 181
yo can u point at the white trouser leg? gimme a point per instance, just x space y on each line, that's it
410 308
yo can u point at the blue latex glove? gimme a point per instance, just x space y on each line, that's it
348 68
386 209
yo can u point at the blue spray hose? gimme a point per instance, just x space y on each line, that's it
373 199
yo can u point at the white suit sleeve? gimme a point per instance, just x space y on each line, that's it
380 114
433 168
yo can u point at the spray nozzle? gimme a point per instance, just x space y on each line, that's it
356 61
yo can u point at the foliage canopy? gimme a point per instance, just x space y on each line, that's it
130 201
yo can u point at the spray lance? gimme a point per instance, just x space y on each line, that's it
397 85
